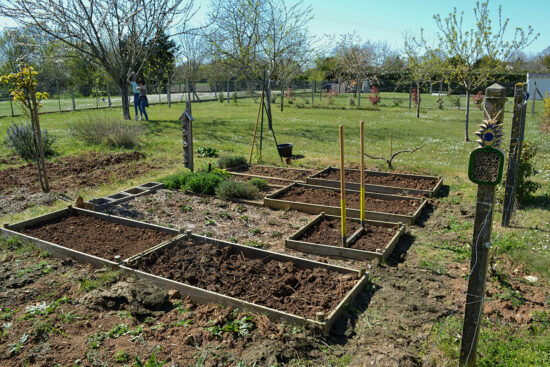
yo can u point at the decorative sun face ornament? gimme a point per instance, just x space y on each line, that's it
487 161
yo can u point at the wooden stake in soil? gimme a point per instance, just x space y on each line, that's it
256 126
486 170
362 168
342 187
514 157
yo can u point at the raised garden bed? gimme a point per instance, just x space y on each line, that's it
317 199
273 182
146 188
284 287
322 236
89 236
380 182
283 174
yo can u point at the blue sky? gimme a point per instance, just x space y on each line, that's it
386 20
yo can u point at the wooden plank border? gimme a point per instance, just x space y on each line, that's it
201 295
294 242
315 179
272 201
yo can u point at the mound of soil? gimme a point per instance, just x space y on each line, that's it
97 237
373 237
328 232
277 172
332 198
74 172
271 283
386 180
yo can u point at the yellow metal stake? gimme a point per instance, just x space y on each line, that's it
342 187
362 190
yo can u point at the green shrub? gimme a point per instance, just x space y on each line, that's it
351 101
229 161
102 129
220 97
20 139
525 187
236 190
207 152
201 182
176 181
260 183
235 97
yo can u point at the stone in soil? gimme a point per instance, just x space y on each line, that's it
97 237
279 285
385 180
330 197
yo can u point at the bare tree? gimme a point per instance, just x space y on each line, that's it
116 34
193 52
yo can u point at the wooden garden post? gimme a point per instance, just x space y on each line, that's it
187 136
342 187
485 169
362 168
312 93
256 126
534 99
108 96
11 106
514 156
282 96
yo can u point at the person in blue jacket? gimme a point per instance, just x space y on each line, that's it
135 90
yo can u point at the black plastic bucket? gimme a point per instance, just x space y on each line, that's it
285 150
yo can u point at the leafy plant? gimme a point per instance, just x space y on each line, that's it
351 101
229 161
102 129
236 190
220 97
525 187
20 138
121 356
17 347
204 182
260 183
151 362
207 152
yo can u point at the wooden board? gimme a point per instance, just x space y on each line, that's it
272 201
295 243
201 295
316 179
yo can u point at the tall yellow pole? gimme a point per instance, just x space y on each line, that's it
342 187
362 132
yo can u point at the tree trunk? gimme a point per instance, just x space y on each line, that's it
467 115
124 96
41 162
418 100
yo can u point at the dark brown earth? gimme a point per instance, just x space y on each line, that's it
329 197
75 172
328 232
374 179
279 285
97 237
276 172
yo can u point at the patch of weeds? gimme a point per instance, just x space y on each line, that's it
241 327
121 356
541 322
158 326
207 212
206 233
460 251
433 266
240 209
151 361
17 347
233 239
150 210
8 313
182 323
456 226
236 190
105 279
207 152
272 222
124 315
244 218
186 208
292 226
276 234
224 215
5 328
256 244
94 341
68 317
42 330
342 361
230 161
42 309
209 222
260 183
255 231
42 268
204 200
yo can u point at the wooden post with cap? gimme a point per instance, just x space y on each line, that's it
342 187
483 222
362 168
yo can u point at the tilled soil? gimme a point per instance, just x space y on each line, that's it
277 172
328 232
332 198
76 172
97 237
390 180
279 285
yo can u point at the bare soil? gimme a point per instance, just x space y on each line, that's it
97 237
328 232
332 198
386 180
279 285
276 172
75 172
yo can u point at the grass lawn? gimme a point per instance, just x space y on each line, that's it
314 133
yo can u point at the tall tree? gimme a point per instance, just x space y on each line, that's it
471 57
117 34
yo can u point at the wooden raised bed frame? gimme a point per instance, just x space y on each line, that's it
201 295
64 252
295 243
315 179
271 201
250 175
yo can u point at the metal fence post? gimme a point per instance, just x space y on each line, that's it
11 106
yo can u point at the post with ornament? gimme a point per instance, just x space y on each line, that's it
485 169
187 136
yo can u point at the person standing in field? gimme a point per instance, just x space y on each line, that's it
135 90
142 101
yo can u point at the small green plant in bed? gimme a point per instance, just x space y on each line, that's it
201 182
228 161
260 183
207 152
236 190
